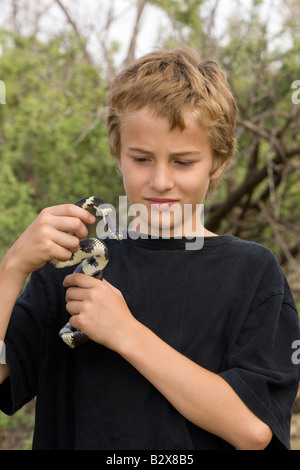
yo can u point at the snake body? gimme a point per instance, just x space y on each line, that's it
92 256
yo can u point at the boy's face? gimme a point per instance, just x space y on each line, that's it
165 170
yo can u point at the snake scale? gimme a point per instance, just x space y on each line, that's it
92 256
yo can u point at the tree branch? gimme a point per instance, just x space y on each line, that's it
76 30
132 46
253 178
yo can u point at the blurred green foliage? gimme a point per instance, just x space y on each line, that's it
54 146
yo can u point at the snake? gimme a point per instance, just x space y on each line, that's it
92 257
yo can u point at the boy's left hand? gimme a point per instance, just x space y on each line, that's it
98 309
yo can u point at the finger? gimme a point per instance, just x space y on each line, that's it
65 240
75 293
74 307
60 253
71 210
80 280
63 223
74 321
70 224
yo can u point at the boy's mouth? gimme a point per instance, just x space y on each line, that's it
161 203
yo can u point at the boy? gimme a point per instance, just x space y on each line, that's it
191 348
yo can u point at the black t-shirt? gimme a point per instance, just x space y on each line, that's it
227 307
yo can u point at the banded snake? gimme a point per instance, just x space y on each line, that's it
92 256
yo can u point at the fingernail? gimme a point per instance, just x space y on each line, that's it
92 219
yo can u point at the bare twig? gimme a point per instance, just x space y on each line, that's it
103 38
259 130
91 126
132 45
279 241
76 30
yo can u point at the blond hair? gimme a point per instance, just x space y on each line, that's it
171 82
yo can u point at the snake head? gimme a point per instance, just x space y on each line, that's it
104 209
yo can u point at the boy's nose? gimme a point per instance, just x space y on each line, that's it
161 178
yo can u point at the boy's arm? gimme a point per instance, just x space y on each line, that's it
204 398
11 283
4 372
55 233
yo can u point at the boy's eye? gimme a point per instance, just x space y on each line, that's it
177 162
183 162
140 159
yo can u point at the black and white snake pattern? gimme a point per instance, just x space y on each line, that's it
92 256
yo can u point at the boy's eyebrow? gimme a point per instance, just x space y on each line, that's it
138 149
174 154
186 153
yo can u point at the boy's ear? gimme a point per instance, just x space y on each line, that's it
217 173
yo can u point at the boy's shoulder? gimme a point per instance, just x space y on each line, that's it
256 255
261 263
252 248
250 260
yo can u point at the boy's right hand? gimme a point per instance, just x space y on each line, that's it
47 237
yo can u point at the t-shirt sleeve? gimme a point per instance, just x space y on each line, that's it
25 344
260 367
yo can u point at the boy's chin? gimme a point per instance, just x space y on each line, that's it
163 230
